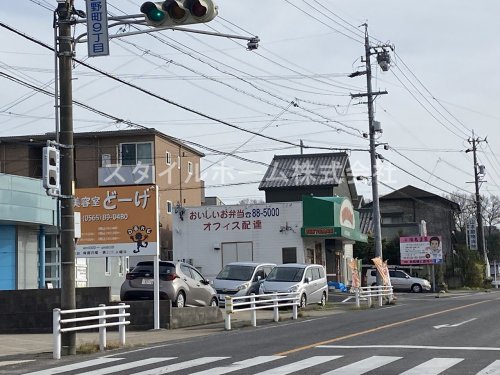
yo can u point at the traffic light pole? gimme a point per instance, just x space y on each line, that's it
138 19
65 55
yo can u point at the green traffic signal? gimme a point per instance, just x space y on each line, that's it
152 12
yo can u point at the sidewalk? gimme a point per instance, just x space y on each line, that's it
26 345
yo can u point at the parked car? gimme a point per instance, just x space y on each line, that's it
400 280
179 282
240 279
308 280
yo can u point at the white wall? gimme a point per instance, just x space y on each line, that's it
27 253
203 227
97 276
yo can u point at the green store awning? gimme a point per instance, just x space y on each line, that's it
330 217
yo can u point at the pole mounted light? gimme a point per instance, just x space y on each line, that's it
374 127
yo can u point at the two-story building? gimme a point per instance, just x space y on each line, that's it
116 158
308 217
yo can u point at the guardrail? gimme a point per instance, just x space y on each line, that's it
102 324
367 292
258 302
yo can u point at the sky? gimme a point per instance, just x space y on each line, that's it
442 87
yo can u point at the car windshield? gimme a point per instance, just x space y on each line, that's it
285 274
236 272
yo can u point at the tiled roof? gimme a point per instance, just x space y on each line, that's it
412 192
304 170
365 221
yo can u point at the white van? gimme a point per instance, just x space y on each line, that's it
240 279
308 280
400 280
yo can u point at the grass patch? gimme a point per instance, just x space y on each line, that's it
93 347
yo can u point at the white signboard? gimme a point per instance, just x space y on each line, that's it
97 28
421 250
471 234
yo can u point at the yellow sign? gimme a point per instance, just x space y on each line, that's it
117 221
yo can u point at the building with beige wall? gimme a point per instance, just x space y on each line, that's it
119 158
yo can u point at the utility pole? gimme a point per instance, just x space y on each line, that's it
383 59
65 53
478 175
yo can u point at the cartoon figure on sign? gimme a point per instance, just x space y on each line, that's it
139 235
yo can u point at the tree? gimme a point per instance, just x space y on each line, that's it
491 212
467 208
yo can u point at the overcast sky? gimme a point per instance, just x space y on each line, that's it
442 85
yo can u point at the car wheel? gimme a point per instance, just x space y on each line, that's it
323 300
303 301
416 288
214 302
180 300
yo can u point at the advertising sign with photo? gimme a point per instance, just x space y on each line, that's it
421 250
118 221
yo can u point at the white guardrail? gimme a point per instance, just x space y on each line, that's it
367 292
254 302
102 324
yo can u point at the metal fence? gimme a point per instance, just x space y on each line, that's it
61 325
253 303
366 293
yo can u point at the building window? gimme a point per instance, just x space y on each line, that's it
107 269
289 254
168 158
133 153
190 167
169 207
178 162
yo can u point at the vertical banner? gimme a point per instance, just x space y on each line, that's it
118 221
355 270
383 269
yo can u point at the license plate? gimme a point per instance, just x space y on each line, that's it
147 281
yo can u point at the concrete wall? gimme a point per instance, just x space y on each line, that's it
30 311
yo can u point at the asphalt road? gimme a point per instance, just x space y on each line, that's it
420 334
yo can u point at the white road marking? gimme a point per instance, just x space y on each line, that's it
180 366
454 325
239 365
299 365
126 366
74 366
493 369
433 366
363 366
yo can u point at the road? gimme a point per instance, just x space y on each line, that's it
420 334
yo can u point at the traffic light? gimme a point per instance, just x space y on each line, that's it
178 12
51 168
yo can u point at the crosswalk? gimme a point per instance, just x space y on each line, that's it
276 365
